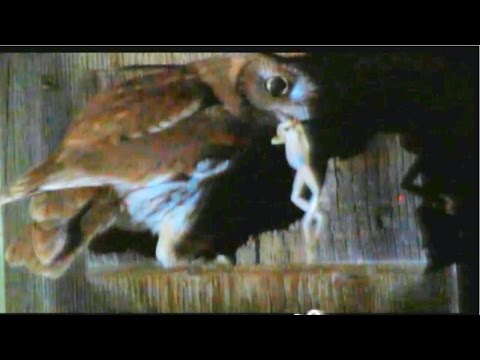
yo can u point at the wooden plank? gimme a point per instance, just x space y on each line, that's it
333 288
22 148
4 73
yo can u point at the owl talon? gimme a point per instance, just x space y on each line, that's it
201 263
221 261
224 260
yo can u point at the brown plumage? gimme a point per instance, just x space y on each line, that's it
64 222
155 141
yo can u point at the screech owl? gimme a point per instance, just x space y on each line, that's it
158 147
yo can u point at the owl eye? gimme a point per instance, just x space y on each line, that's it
277 86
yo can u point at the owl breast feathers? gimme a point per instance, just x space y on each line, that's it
155 146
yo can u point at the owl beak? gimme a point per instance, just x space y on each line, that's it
299 113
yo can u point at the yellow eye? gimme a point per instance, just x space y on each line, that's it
277 86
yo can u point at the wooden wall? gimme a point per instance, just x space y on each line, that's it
369 257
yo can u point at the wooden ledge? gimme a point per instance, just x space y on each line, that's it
333 288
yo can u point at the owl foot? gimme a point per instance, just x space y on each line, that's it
199 264
194 265
219 261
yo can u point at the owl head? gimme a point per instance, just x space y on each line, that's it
264 86
280 86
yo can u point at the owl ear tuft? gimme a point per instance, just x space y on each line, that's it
222 75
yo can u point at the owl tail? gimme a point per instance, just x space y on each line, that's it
64 223
31 183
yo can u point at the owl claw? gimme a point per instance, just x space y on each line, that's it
201 263
223 260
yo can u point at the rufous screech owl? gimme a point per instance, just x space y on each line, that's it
156 147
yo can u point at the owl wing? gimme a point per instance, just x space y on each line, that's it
174 151
140 106
169 153
136 109
158 100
